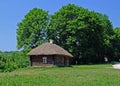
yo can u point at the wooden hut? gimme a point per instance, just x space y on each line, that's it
49 54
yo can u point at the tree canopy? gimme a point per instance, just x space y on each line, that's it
115 44
32 29
88 35
82 32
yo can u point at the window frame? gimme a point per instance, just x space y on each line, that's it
44 60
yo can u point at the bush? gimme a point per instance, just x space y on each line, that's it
20 58
12 61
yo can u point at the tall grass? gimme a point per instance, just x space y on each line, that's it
93 75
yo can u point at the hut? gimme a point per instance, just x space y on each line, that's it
49 54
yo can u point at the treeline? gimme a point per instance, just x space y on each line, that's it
88 35
13 60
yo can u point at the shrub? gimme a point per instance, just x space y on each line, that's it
12 61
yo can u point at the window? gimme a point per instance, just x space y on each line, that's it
45 60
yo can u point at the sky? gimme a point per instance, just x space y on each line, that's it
13 11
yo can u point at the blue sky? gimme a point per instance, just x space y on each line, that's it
12 12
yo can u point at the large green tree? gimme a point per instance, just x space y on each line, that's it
82 32
31 30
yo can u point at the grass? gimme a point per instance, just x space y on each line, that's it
86 75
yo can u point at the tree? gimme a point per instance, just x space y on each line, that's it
82 32
115 43
65 27
31 30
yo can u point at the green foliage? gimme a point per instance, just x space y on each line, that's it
92 75
3 60
20 58
12 61
88 35
31 30
82 32
115 43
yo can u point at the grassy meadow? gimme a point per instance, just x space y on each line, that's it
85 75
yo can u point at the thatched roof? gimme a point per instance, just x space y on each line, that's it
49 49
